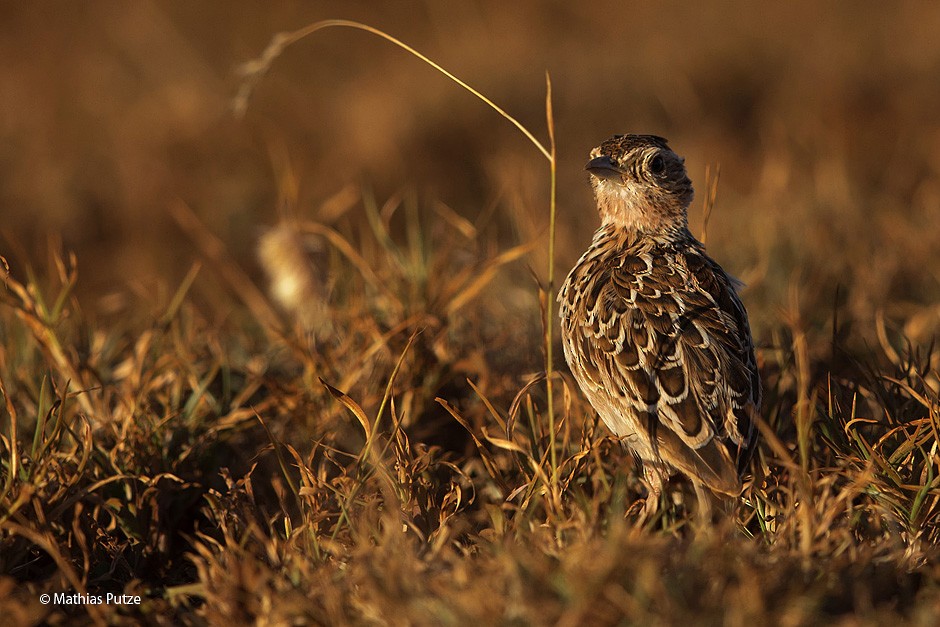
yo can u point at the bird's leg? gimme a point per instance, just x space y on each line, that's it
703 513
654 477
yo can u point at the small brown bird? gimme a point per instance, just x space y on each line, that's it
653 329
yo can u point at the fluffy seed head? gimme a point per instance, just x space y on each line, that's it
296 283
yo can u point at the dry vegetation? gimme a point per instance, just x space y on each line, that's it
167 431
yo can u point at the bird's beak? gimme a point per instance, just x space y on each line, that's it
603 167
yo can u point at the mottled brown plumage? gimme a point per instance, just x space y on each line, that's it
653 329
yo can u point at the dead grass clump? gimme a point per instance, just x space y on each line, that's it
394 471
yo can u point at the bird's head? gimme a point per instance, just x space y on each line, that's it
641 185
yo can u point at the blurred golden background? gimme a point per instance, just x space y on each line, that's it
824 119
389 457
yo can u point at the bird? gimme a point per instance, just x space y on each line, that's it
654 331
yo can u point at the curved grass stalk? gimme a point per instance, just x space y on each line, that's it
254 70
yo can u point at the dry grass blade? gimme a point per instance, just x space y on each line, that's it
489 406
711 197
177 301
485 276
886 346
13 471
282 463
457 221
352 406
516 404
485 456
387 395
343 246
503 443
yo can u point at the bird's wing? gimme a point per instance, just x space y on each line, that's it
667 334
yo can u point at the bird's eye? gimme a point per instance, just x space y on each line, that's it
657 164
